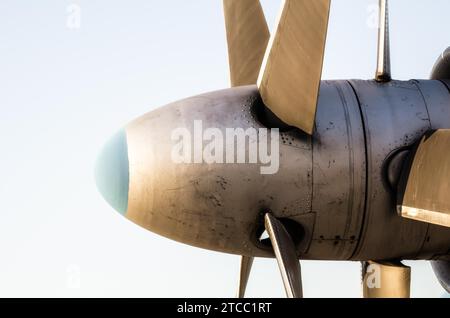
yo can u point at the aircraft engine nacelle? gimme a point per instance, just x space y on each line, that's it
203 171
442 271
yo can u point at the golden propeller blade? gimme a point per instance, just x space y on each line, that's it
244 274
247 36
386 280
290 76
285 253
424 189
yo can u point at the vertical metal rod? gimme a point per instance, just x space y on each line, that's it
383 73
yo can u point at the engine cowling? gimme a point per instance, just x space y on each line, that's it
442 271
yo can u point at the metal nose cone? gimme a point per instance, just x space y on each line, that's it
112 172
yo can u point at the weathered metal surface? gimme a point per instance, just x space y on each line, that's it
333 184
339 173
437 99
446 83
214 206
395 116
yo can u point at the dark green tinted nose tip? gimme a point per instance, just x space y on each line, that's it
112 173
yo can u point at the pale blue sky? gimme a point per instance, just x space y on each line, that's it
64 92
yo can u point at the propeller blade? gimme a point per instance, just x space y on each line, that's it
424 188
290 76
247 36
386 280
246 266
286 255
383 73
